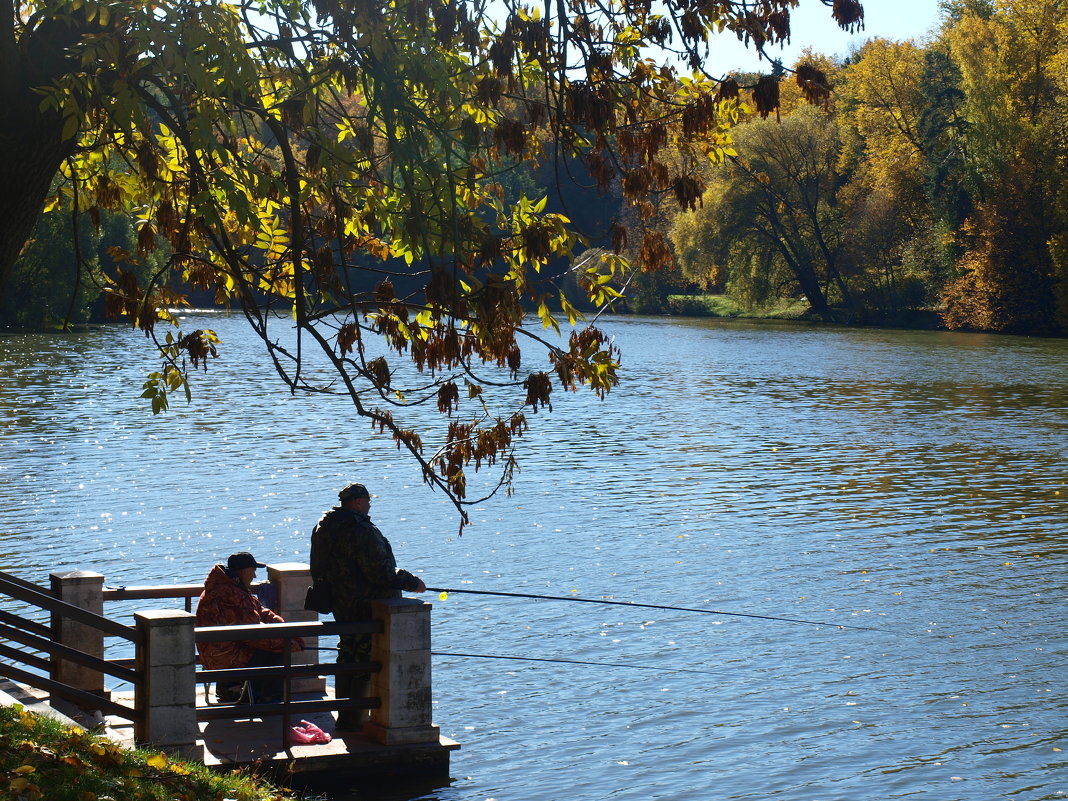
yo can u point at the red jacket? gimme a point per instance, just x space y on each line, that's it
225 602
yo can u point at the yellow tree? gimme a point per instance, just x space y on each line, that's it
881 107
1007 59
771 218
880 98
1059 240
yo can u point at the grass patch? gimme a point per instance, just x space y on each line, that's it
724 306
41 758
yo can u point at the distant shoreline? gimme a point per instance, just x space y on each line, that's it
723 307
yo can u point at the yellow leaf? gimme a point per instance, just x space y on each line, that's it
25 769
157 761
443 596
19 784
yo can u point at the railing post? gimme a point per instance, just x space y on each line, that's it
85 589
165 701
403 684
291 581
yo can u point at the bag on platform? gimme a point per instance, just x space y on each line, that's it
318 598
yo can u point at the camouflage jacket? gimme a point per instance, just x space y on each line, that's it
226 602
349 551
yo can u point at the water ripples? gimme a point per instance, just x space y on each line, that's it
909 482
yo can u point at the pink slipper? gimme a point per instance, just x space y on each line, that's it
317 733
298 735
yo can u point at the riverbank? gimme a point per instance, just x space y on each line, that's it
43 758
713 306
724 307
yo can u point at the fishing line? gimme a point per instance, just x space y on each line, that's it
536 659
573 662
655 606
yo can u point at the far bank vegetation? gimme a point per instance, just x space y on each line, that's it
930 187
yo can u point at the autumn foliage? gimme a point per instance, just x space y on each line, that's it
928 185
338 172
43 760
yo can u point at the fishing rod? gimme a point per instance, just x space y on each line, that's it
545 659
653 606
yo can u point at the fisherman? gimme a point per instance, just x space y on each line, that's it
227 600
357 563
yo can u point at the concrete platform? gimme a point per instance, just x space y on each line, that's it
257 744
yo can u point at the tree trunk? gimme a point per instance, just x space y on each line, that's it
798 264
31 145
30 155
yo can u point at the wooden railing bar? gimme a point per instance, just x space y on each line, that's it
72 654
155 591
18 589
21 582
275 631
25 624
296 671
152 591
27 659
80 697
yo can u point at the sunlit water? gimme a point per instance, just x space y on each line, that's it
913 483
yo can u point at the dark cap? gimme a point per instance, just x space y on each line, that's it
239 561
354 491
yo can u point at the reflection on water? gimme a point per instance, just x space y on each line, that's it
914 483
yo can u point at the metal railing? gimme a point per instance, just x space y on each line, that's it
148 592
66 658
288 708
36 637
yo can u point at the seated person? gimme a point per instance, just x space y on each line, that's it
227 600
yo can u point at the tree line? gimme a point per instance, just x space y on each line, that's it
933 179
930 180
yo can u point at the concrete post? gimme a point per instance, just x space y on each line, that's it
291 581
166 700
85 589
403 684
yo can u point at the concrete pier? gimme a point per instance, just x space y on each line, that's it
347 758
166 707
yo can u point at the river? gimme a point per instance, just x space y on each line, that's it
913 485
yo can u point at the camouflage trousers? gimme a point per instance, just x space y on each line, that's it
352 648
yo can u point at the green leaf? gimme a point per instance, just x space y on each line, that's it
70 127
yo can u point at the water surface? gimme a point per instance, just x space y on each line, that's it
914 483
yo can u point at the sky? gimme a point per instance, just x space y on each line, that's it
812 25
